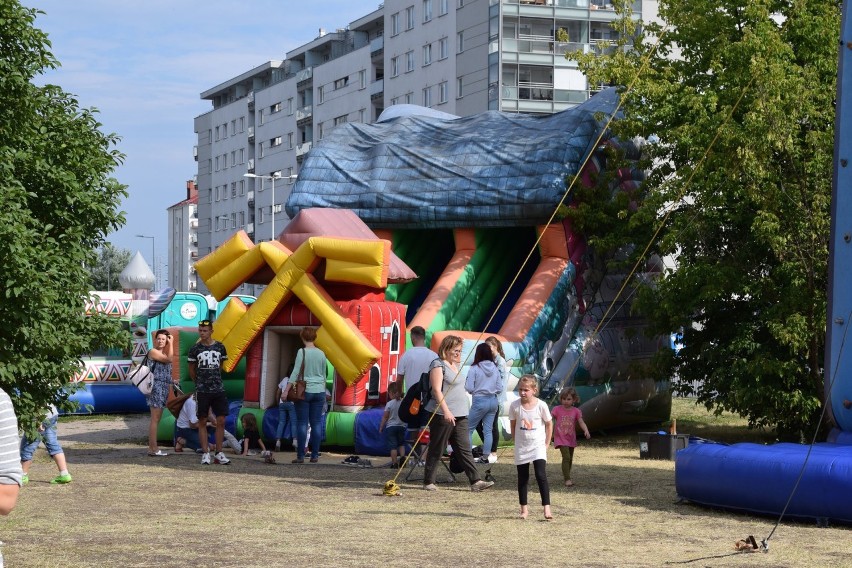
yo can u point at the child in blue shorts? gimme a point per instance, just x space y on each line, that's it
394 428
47 434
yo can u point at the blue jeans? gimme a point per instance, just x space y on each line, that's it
309 411
286 415
191 437
483 409
48 436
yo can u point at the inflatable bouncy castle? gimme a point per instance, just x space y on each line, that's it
443 222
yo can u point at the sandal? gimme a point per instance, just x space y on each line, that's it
179 444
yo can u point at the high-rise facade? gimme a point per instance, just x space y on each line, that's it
461 57
183 241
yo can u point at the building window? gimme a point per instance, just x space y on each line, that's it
361 115
321 93
427 54
289 140
242 187
289 106
260 116
340 83
409 98
321 130
459 90
460 42
233 158
341 119
395 66
444 6
217 133
218 223
233 189
217 193
290 178
217 163
395 24
262 149
409 61
443 89
395 101
210 195
233 127
460 4
409 18
427 10
233 220
427 96
273 142
443 48
242 155
362 79
242 124
242 218
275 108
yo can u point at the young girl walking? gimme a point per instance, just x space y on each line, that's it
532 428
567 417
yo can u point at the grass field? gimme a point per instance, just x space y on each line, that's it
125 509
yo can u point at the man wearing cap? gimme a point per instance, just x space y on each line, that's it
205 360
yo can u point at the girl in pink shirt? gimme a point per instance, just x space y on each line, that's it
566 418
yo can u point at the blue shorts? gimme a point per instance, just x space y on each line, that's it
394 436
48 436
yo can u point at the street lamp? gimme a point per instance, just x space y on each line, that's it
153 257
273 177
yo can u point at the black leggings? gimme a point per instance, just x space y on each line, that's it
540 468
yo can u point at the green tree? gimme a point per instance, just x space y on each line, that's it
738 99
57 203
106 268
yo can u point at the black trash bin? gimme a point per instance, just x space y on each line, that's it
661 446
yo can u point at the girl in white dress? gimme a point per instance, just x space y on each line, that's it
532 428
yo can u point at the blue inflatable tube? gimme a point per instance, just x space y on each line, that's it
759 479
109 399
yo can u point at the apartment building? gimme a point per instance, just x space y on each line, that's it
183 241
461 57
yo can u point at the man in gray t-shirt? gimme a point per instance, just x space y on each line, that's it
413 363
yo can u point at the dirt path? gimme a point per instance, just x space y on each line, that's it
125 429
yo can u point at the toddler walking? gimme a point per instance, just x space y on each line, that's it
46 434
394 428
532 427
567 417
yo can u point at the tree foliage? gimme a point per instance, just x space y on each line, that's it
57 203
103 273
738 98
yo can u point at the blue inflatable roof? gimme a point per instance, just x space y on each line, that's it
493 169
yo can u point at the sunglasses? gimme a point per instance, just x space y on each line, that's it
205 323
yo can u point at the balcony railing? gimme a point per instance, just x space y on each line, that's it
250 197
303 149
540 92
251 133
250 99
304 75
378 44
377 88
250 165
304 113
250 228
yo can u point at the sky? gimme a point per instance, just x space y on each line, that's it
143 65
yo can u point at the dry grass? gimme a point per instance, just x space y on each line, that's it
125 509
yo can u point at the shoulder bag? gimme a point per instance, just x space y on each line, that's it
297 387
143 377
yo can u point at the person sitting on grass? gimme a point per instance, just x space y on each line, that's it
251 441
47 434
186 429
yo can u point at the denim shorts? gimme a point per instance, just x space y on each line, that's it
394 436
28 447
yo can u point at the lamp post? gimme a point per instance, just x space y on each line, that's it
273 177
153 258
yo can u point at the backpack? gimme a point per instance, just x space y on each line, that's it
413 405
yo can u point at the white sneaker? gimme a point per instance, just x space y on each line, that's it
430 487
492 458
221 459
205 459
